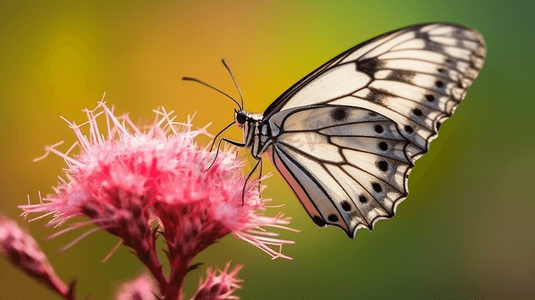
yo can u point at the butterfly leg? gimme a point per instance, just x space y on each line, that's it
218 134
260 176
259 162
237 144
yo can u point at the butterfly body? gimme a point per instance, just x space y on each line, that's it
346 136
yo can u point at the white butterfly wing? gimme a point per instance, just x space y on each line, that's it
347 165
413 78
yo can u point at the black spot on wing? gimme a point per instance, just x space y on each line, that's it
383 146
319 221
368 66
377 95
421 34
377 187
346 206
382 165
400 75
340 113
333 218
379 128
436 47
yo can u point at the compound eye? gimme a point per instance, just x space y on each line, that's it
241 118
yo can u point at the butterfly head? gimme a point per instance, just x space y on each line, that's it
240 117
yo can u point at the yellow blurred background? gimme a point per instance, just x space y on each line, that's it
465 232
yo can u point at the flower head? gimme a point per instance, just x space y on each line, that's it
124 177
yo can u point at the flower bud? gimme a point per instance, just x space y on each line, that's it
219 284
24 252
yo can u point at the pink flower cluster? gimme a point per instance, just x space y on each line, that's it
139 183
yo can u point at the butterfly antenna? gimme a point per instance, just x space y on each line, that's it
233 79
213 88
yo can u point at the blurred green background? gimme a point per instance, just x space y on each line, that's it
465 232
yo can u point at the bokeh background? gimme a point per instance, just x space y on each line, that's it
465 232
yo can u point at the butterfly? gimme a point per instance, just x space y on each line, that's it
346 136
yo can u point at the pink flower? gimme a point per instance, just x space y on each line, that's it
126 178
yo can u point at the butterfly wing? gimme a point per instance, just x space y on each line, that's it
412 78
347 165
